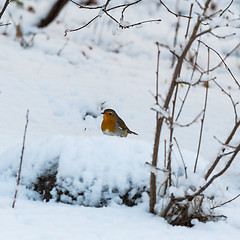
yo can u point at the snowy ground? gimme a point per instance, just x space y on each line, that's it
100 66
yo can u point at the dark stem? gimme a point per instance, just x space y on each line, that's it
201 129
226 202
166 104
190 15
210 170
21 160
222 62
4 8
226 8
156 144
179 150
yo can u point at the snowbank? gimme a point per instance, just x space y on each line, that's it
89 171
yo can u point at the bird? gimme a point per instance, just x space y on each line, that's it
113 125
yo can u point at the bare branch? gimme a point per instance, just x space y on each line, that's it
87 7
128 5
175 40
156 144
157 72
222 62
222 37
184 165
231 99
165 152
85 25
176 74
21 160
196 58
190 15
201 129
4 7
156 168
183 102
199 4
231 135
233 50
203 32
189 124
106 11
139 23
4 24
226 202
204 187
219 173
114 19
169 163
226 8
175 14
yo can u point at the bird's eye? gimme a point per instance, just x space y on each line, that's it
110 113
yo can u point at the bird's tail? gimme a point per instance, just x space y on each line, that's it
131 132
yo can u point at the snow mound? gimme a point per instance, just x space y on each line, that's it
89 171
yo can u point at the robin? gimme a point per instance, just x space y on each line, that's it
112 124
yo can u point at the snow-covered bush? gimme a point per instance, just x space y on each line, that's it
89 171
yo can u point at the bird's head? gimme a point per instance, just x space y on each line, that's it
109 114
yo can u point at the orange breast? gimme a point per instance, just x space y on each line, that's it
108 124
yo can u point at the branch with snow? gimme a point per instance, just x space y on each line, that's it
103 9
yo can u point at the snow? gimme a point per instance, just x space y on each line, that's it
66 82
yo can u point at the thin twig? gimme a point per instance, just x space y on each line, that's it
225 145
85 25
190 15
231 99
4 24
217 175
228 164
190 123
128 5
228 153
183 102
138 23
226 202
226 8
61 49
4 7
114 19
21 160
233 50
165 152
218 158
223 37
179 150
196 58
169 160
156 168
198 3
106 11
175 40
222 62
175 14
157 72
208 62
87 7
156 144
201 129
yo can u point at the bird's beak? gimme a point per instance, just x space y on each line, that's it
102 113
